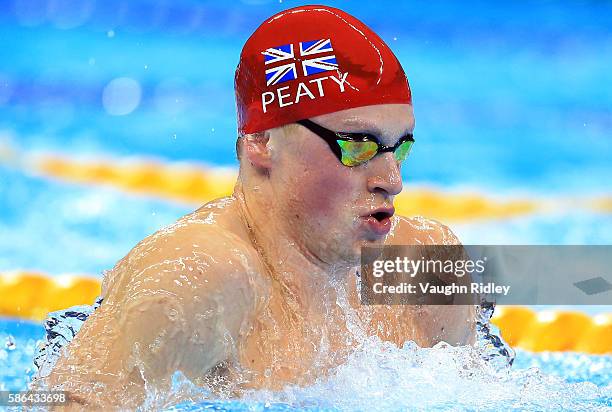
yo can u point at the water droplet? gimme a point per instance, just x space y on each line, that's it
10 343
110 34
121 96
172 314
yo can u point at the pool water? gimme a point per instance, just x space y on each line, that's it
381 376
510 100
503 107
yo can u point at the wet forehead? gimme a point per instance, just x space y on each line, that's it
388 122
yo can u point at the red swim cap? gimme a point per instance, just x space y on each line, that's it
313 60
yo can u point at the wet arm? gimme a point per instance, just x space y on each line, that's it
454 324
166 319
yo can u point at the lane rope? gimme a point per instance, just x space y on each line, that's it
195 183
31 295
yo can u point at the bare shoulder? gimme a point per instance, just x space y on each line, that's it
420 230
187 249
189 267
176 301
453 324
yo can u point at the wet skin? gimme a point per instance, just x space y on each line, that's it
259 289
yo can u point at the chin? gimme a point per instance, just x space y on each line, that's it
369 242
374 240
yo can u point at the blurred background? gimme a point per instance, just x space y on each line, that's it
117 117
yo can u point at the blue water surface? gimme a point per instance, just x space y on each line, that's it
509 97
18 340
506 96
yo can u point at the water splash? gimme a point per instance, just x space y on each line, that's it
492 347
379 375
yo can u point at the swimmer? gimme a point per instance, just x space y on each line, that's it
259 289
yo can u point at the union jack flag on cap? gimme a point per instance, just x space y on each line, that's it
316 56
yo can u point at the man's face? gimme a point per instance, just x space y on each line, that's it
330 209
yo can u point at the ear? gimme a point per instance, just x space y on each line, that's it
257 151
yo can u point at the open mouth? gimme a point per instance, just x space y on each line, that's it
380 216
379 222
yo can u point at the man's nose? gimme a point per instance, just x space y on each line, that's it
386 175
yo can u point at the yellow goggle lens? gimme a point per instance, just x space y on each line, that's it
402 152
354 153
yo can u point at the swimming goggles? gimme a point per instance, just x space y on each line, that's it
353 149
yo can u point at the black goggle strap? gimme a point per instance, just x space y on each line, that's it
329 136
